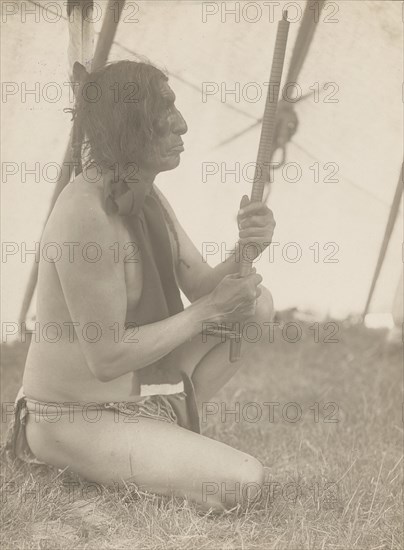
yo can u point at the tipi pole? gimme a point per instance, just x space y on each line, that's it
395 207
81 33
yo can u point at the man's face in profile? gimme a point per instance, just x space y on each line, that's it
167 144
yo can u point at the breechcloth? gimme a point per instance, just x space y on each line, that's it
179 408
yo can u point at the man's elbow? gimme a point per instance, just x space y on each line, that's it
109 368
104 376
103 370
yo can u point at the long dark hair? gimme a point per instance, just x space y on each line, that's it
116 113
118 109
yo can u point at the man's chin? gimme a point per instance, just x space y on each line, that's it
167 163
172 162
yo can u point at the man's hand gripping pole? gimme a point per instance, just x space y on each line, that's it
261 176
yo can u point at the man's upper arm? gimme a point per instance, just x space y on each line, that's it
92 281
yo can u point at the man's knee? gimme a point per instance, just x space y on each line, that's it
251 481
242 487
265 310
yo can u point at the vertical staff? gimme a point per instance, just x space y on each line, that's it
262 172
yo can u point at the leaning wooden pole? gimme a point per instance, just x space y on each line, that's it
107 34
304 38
261 176
391 220
81 40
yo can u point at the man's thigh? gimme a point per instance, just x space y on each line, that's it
157 456
191 353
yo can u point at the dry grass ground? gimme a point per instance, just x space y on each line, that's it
333 485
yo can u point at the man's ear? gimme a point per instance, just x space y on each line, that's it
79 73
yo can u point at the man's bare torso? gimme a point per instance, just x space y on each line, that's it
56 369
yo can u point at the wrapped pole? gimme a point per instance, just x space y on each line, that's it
262 171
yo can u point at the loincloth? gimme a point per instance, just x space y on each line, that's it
179 408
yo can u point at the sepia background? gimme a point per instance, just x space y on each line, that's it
359 135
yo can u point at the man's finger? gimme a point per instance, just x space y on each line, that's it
245 201
255 221
254 207
257 232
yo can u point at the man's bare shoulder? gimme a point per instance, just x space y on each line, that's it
78 212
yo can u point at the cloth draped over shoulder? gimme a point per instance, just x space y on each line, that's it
160 297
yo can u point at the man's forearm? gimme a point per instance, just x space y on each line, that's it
149 343
211 279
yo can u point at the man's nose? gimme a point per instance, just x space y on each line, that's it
180 126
